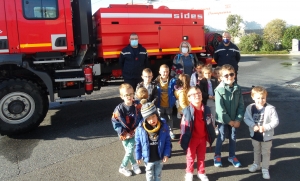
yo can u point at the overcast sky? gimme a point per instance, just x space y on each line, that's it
256 13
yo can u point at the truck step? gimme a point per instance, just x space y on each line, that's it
71 99
68 70
69 79
48 61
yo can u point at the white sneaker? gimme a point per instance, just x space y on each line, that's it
254 167
136 169
265 173
202 177
188 177
125 171
178 115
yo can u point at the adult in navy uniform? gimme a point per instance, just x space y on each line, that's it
133 59
228 53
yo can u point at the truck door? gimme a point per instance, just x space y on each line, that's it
3 30
170 38
41 25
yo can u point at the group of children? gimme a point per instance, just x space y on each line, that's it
207 105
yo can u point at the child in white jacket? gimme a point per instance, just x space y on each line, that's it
261 118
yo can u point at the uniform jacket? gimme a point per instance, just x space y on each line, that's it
142 149
187 124
171 95
132 65
229 105
270 121
121 122
227 55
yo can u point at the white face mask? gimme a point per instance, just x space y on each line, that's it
184 50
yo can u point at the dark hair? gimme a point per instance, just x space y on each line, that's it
199 63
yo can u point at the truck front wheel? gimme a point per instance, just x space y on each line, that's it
23 106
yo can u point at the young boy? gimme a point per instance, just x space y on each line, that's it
148 84
197 75
153 143
196 130
229 113
261 118
165 95
126 117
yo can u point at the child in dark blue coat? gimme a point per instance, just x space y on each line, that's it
153 142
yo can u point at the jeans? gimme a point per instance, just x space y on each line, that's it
262 149
153 170
129 149
168 111
221 138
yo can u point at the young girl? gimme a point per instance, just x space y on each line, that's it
153 143
181 88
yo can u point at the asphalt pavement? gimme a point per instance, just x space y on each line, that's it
76 141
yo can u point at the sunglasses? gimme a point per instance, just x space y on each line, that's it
227 75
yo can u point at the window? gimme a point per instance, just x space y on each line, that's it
40 9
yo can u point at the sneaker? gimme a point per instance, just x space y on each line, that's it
235 162
136 169
188 177
254 167
125 171
202 177
178 115
172 135
217 161
265 173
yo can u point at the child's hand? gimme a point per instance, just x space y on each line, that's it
211 97
236 124
255 128
165 159
231 123
261 129
138 161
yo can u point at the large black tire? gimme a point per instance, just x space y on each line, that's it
23 106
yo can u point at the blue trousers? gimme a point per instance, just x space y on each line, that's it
221 138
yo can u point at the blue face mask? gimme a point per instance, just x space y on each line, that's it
225 40
134 43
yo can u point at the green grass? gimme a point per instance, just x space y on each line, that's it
265 52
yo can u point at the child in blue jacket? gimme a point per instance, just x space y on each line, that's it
153 142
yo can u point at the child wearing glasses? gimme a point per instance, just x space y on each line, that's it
147 76
196 129
125 119
261 118
229 113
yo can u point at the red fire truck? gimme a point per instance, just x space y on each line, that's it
57 47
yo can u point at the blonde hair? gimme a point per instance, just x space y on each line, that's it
142 93
183 81
207 67
147 70
124 86
164 66
258 90
226 67
188 44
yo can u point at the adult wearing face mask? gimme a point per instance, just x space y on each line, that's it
184 61
228 53
133 59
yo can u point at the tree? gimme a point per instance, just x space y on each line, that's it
292 32
274 30
233 25
251 42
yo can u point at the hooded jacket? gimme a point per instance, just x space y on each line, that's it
142 149
270 121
